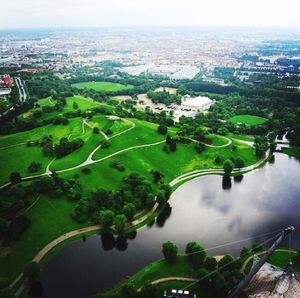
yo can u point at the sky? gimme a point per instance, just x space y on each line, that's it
101 13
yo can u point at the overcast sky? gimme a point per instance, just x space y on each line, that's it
94 13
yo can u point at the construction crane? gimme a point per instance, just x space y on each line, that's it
244 283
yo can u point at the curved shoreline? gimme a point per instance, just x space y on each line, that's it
187 176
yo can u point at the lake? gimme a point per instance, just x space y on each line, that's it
210 209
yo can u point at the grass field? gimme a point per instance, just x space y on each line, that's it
217 140
241 137
51 217
103 86
83 103
17 156
248 120
295 152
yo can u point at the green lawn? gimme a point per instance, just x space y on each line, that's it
295 152
248 120
17 156
46 102
103 86
143 160
217 140
50 219
83 103
282 258
241 137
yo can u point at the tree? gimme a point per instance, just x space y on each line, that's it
227 263
161 198
196 253
75 105
128 291
244 251
15 177
169 251
157 176
218 159
7 293
211 263
106 218
34 167
129 210
162 129
228 167
202 273
173 146
96 130
105 144
273 146
149 291
120 223
199 147
3 226
32 271
239 163
200 132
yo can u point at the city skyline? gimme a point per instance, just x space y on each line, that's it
18 14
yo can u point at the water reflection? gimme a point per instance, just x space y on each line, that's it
238 179
200 210
226 183
164 215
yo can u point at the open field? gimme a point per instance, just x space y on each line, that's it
241 137
247 119
127 134
103 86
83 103
50 219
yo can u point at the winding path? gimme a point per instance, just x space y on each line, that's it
45 250
197 173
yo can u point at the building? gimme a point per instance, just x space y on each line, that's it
179 294
271 282
8 81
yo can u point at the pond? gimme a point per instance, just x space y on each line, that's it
210 209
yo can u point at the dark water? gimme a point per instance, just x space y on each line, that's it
209 209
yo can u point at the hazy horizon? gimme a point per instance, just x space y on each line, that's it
44 14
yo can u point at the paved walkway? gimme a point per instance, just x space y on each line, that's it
197 173
44 251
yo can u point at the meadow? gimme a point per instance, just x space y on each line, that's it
247 119
103 86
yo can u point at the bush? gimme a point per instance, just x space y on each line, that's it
228 167
96 130
169 251
34 167
86 171
15 177
105 144
218 160
32 271
162 129
16 229
117 166
199 147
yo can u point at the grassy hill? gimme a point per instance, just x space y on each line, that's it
52 217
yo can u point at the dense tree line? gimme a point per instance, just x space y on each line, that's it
164 97
102 206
